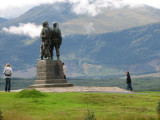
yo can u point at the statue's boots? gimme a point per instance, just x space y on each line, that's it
58 58
41 58
48 58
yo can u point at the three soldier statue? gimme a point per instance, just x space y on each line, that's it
50 38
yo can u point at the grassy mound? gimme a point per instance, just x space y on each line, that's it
30 93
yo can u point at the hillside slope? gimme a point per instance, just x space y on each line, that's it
2 20
136 49
92 46
108 20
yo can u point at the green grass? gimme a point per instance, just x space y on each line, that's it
30 93
74 106
153 92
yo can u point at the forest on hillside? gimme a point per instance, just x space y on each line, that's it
138 84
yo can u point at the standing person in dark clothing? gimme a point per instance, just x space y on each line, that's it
64 70
128 81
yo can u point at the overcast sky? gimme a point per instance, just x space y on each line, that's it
14 8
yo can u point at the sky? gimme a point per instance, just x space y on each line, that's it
14 8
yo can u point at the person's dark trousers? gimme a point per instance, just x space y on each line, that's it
129 87
64 76
8 84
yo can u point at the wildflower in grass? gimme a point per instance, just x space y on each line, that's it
158 109
90 115
1 115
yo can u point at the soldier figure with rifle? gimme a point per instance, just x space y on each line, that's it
56 40
45 39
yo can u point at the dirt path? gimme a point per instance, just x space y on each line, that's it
81 89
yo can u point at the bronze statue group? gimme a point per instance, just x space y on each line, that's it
50 38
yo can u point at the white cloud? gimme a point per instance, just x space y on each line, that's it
84 7
153 3
29 29
93 7
11 9
14 8
89 28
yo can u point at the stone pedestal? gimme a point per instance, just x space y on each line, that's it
50 74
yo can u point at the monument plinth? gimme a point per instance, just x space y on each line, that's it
50 74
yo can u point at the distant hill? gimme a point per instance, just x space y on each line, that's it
2 20
112 20
136 49
109 20
47 12
100 46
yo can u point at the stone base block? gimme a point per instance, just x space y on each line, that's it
51 81
50 74
51 85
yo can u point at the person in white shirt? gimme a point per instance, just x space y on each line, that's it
7 72
64 70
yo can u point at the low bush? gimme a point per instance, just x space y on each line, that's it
30 93
1 115
89 115
158 109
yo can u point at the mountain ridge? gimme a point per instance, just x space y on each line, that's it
108 20
2 20
89 53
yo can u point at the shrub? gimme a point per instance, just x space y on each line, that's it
30 93
158 109
1 115
89 115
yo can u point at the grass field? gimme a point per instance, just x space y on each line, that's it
75 106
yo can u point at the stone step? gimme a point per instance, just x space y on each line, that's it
51 85
49 77
48 74
51 81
